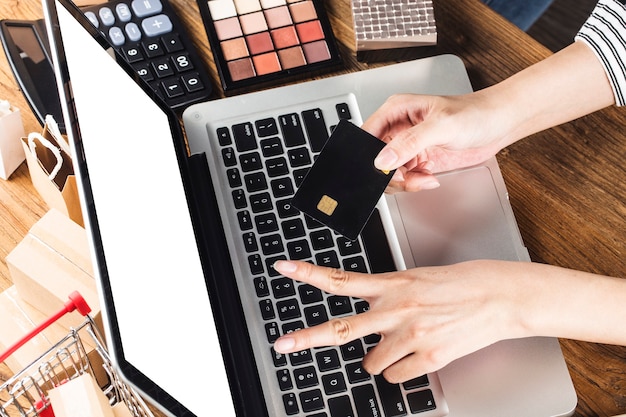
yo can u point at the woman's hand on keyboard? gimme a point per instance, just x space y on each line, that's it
427 317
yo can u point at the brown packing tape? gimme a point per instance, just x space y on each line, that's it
62 194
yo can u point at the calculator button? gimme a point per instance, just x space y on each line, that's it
157 25
143 8
192 82
133 32
162 68
172 43
92 18
117 36
123 12
172 88
106 16
143 70
182 62
153 49
132 54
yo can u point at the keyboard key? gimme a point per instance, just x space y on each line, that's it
334 383
266 223
271 244
299 174
284 379
223 136
311 400
234 178
352 350
244 137
419 382
260 202
343 111
288 309
278 358
285 209
271 147
328 259
322 239
291 404
309 294
339 305
283 287
267 309
266 127
355 264
365 401
315 128
299 157
255 182
315 315
256 264
347 246
228 156
245 222
293 228
249 242
291 129
250 161
282 187
328 360
299 249
305 377
390 397
340 407
261 287
421 401
300 358
277 167
356 373
272 332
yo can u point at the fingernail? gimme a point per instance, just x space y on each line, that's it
284 344
385 159
284 266
430 185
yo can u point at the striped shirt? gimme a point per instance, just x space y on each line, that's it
605 33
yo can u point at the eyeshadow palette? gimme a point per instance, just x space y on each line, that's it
259 41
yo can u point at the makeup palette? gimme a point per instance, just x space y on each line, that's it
259 41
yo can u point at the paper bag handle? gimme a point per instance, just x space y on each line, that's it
45 142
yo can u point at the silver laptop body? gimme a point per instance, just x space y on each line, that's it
182 284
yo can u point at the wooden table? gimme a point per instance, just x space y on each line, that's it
567 185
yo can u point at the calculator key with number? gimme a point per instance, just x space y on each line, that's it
151 38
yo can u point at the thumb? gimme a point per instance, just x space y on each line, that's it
405 146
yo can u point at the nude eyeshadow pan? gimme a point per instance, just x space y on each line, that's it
259 41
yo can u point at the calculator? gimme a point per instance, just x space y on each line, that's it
152 39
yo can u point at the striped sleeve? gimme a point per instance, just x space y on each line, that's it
605 33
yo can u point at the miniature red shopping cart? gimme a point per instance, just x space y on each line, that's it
25 393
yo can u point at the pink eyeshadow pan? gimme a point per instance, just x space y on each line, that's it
291 57
241 69
228 28
266 63
253 23
234 49
316 51
284 37
310 31
278 17
259 43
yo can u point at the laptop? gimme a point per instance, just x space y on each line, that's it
183 231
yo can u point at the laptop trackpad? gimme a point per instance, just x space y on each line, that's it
468 217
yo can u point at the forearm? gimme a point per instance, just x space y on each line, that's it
571 304
561 88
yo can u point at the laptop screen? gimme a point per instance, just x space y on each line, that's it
139 220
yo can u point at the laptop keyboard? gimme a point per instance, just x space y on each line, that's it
262 161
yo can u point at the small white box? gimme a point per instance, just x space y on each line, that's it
11 133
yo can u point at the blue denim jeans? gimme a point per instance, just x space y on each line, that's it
522 13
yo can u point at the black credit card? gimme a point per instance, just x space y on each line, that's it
342 187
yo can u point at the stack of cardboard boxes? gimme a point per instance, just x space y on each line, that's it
52 261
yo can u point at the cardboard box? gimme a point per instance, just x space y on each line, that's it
80 397
51 262
121 410
18 319
11 130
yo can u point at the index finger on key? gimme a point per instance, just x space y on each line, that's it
334 281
